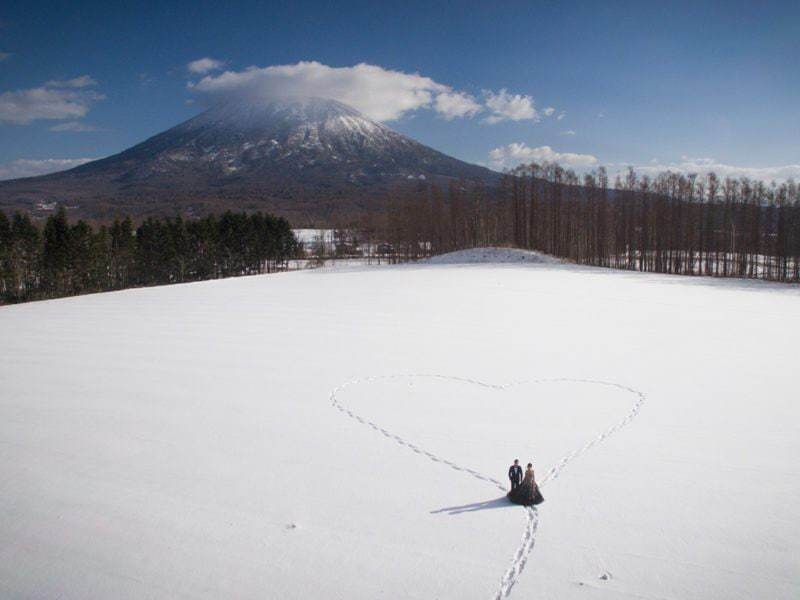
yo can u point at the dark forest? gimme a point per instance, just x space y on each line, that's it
62 259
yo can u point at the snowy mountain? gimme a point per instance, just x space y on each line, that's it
287 155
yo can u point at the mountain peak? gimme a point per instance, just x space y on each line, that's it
291 122
250 112
280 151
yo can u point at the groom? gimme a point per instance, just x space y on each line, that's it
515 474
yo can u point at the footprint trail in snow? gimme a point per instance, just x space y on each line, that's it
520 557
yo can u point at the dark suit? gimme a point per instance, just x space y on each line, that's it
515 475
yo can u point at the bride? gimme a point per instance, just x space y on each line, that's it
528 492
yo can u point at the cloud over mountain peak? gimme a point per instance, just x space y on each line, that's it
379 93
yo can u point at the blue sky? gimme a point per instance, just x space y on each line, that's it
686 85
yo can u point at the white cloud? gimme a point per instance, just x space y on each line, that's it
24 167
515 154
561 115
703 166
456 104
381 94
75 126
569 132
77 82
509 107
205 65
54 100
24 106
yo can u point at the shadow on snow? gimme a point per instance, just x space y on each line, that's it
501 502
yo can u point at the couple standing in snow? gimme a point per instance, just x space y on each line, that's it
524 490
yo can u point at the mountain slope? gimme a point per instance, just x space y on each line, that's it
308 156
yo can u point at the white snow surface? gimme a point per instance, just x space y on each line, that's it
342 434
309 236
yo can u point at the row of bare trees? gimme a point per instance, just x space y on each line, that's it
432 221
670 223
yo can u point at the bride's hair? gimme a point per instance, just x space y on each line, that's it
530 465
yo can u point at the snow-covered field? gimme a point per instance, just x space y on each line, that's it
342 434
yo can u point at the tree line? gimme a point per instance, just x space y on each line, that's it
61 258
670 223
432 220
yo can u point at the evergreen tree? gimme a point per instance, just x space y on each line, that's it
5 254
24 260
56 255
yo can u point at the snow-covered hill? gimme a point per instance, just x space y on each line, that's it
491 256
342 434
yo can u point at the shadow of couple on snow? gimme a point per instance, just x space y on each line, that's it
501 502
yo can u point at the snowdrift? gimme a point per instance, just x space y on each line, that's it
491 256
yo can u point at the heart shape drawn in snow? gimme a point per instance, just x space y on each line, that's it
462 400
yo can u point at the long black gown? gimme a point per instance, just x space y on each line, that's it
527 493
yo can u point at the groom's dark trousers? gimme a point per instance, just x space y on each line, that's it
515 475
